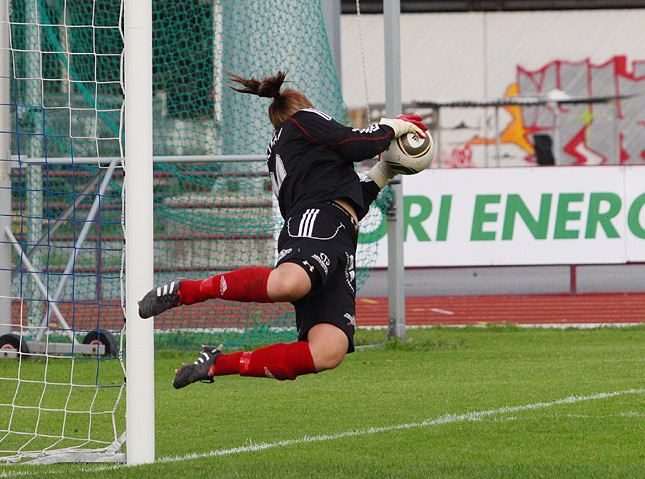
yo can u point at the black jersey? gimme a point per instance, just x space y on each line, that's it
311 159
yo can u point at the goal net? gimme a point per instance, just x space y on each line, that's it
60 231
61 197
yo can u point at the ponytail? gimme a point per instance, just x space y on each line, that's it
284 104
268 87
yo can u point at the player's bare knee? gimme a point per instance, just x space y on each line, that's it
328 346
330 359
288 289
295 287
288 282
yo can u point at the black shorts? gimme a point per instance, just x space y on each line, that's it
322 239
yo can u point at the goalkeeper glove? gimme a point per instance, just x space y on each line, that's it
381 174
403 124
414 119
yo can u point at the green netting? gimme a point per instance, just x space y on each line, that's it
210 216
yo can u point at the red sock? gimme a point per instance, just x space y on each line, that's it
245 285
280 361
226 364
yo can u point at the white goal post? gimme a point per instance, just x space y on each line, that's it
139 258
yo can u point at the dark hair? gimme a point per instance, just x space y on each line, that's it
284 104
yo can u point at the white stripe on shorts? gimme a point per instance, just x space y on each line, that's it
307 223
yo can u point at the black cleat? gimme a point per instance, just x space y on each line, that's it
160 299
197 371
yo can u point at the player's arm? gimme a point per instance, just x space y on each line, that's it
370 191
358 145
353 144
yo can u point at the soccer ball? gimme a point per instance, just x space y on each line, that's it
409 154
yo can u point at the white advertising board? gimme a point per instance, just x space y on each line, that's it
520 216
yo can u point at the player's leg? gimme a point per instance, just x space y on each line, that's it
287 282
324 318
246 284
325 349
280 361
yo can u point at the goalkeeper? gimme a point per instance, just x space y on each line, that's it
321 199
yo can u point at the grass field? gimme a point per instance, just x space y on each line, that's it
493 402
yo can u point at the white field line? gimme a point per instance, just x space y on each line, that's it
441 420
518 325
446 419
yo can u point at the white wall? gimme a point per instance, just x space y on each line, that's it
480 55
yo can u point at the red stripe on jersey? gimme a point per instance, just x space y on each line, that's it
340 142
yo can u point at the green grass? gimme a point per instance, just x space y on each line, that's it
456 380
